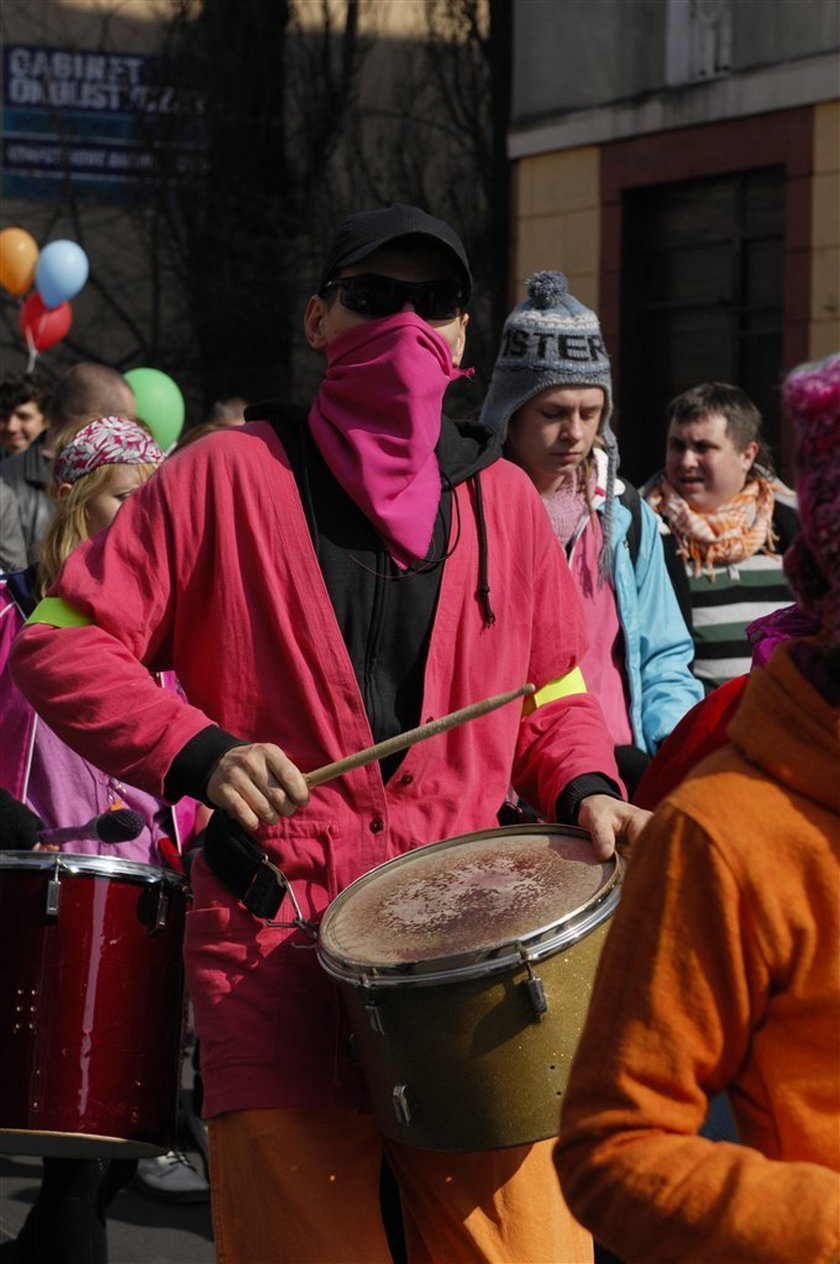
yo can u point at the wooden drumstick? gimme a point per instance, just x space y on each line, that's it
393 744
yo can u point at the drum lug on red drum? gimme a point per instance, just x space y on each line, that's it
54 893
162 911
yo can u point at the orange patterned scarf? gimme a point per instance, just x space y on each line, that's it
729 534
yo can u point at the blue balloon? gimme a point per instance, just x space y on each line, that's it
60 272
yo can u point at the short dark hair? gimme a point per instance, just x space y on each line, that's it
742 417
743 420
20 388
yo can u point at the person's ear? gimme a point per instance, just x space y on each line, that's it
461 341
313 322
63 490
748 455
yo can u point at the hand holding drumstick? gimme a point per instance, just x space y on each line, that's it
258 783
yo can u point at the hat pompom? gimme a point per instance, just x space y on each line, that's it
547 289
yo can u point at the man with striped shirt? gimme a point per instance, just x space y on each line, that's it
730 520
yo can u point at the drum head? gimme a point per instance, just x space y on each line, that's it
464 900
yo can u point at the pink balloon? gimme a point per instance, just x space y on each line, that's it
42 326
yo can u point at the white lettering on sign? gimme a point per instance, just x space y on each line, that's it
63 78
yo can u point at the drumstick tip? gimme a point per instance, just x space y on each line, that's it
529 688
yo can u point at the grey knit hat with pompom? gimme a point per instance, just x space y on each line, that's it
551 340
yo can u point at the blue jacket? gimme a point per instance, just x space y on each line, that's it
658 646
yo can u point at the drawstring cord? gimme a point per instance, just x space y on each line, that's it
483 590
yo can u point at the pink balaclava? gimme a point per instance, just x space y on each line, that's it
376 421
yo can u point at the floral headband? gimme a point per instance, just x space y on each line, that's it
105 441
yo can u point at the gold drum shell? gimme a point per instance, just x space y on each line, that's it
466 967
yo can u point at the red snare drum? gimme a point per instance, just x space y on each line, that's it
91 1005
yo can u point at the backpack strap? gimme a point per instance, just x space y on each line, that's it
632 501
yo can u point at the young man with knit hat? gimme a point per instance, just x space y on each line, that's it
730 518
721 971
321 578
550 400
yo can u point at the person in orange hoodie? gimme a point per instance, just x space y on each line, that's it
722 967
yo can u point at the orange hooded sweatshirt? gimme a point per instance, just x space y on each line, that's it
722 970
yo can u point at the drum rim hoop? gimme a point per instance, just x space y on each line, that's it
78 865
493 959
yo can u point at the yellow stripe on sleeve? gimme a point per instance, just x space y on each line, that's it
562 687
58 613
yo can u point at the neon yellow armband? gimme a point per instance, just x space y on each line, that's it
58 613
562 687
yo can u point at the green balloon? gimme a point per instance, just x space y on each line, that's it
159 403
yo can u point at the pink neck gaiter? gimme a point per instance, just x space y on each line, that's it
376 420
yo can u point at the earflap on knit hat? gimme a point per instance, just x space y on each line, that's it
553 340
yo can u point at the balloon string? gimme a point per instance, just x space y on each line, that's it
33 352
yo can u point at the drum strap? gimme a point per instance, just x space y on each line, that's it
242 866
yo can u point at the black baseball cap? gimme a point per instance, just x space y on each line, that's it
366 231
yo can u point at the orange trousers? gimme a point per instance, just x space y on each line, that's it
302 1187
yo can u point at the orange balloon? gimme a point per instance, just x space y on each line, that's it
18 257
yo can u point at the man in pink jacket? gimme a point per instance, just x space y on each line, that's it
320 579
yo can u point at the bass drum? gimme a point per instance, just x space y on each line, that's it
466 968
91 1005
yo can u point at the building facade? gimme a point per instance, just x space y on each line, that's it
679 160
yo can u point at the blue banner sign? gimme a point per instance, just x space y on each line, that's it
102 121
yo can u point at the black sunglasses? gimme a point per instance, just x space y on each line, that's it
374 296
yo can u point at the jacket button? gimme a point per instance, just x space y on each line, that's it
406 779
377 825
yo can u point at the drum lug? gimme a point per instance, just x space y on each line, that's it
536 994
162 912
534 987
403 1101
375 1011
54 893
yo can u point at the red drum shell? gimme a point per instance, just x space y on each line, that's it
91 1005
465 968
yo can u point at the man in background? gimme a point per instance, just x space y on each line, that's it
730 519
720 971
83 391
24 402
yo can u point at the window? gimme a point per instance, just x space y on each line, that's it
698 40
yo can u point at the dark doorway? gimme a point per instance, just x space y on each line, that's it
701 283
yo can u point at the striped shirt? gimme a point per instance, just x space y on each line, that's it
724 604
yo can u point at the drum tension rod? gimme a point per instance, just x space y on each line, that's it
533 986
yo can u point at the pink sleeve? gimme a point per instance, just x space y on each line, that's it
567 738
92 684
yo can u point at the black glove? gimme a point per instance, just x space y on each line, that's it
19 827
